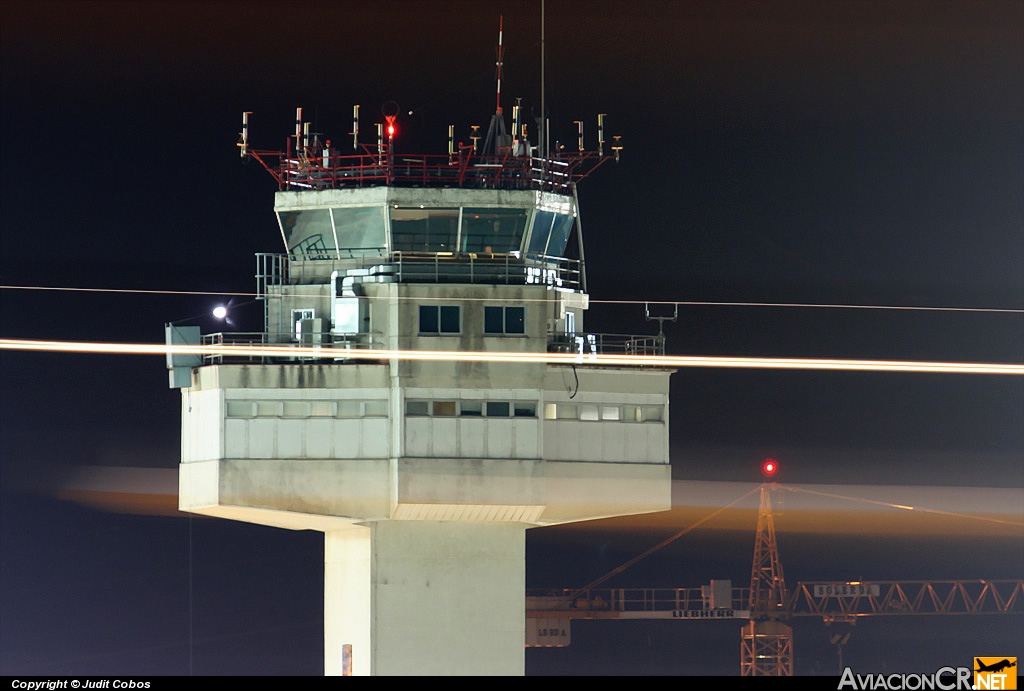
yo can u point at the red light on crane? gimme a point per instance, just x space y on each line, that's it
391 129
769 467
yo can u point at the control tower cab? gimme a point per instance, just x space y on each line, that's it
424 474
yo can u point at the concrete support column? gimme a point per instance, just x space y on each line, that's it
426 597
347 600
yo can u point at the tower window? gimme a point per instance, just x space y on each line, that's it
444 319
504 321
498 409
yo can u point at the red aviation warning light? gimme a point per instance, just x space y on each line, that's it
769 467
390 112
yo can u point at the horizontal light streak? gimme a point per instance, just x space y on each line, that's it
606 360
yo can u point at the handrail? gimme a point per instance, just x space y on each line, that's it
422 267
629 600
831 600
335 344
315 170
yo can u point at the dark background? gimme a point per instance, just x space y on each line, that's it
842 152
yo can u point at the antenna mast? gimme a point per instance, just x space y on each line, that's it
501 33
497 133
542 131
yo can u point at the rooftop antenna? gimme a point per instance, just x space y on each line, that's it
497 134
501 42
542 134
243 144
659 341
355 128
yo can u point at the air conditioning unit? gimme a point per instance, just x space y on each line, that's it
314 332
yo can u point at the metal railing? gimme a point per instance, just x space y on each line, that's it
273 270
833 601
579 603
311 169
618 344
335 345
872 598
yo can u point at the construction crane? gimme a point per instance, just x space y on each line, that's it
766 645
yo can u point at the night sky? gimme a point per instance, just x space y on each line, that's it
803 152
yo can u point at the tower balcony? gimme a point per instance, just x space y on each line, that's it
338 348
315 264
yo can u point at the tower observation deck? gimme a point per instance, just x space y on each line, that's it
424 475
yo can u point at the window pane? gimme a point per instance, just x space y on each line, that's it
588 412
424 230
376 408
321 409
515 320
239 408
497 409
541 230
308 232
525 409
296 409
550 411
444 408
349 409
567 411
652 413
559 236
493 230
359 230
450 320
417 407
493 320
428 319
609 412
268 409
471 408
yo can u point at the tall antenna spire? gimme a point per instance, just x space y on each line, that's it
501 22
542 131
497 134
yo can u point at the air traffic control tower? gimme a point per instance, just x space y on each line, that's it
423 474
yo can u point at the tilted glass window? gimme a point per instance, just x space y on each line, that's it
559 235
542 221
424 230
308 233
550 233
359 229
493 231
